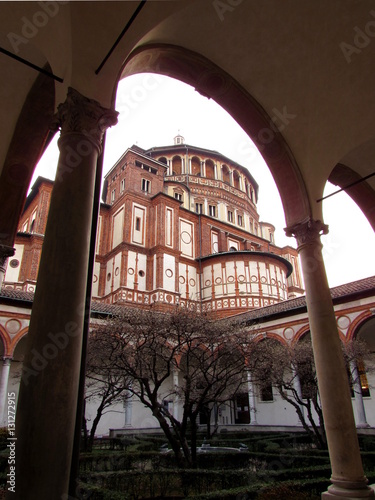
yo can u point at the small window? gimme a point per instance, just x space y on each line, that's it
122 186
24 227
137 223
178 196
240 220
363 379
146 184
199 208
266 393
212 210
230 216
113 195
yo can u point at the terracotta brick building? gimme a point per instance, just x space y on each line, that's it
177 223
180 223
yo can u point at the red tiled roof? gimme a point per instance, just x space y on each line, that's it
337 292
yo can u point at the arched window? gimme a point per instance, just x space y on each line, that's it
195 166
225 174
163 159
236 179
210 169
176 165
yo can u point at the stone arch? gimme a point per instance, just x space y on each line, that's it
360 191
17 339
4 341
300 333
213 82
163 159
358 323
271 336
31 135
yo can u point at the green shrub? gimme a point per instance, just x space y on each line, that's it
367 443
282 492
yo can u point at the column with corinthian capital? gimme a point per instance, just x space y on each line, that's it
49 386
348 480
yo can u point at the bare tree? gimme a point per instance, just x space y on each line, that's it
150 348
359 363
291 370
103 387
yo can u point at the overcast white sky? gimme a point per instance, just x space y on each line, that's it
154 109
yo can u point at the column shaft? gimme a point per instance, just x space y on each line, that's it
358 398
347 472
4 390
49 386
252 402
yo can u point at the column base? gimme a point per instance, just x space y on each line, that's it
348 490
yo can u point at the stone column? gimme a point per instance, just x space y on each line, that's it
358 399
4 390
128 403
175 386
5 252
252 402
49 386
297 386
347 478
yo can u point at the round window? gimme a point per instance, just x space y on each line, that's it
14 263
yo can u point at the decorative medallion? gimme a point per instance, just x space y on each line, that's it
13 326
169 273
186 237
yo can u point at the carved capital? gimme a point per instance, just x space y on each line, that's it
308 231
80 115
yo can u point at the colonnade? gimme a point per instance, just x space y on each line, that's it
49 386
